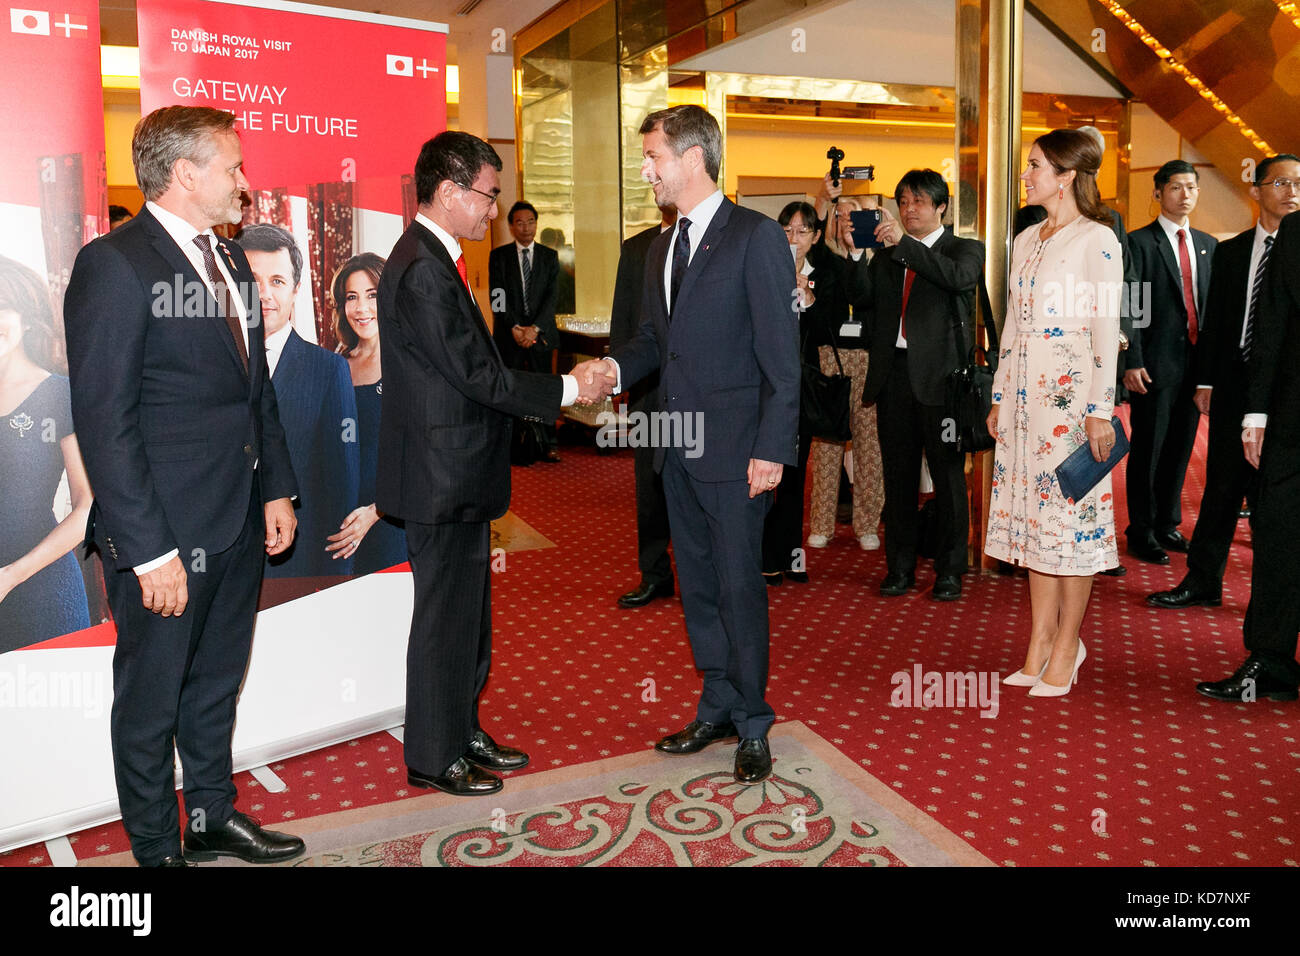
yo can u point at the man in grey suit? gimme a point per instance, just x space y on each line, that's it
717 323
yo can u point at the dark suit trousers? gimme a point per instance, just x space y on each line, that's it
1228 478
717 534
177 678
450 647
783 531
1163 423
652 533
1273 615
906 428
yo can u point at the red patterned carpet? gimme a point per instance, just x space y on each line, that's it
1132 768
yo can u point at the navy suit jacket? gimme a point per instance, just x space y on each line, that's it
318 410
731 350
170 425
1159 340
1274 369
444 438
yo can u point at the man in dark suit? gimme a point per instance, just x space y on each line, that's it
652 534
1172 262
523 276
1271 440
1240 269
911 293
444 459
717 323
318 409
183 446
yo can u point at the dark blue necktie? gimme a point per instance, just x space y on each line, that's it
681 259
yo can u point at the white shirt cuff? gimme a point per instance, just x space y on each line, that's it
1255 420
156 563
1206 387
857 254
618 385
570 390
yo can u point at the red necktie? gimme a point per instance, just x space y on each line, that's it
464 272
907 291
1189 300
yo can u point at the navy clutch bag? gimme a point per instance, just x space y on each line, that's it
1079 473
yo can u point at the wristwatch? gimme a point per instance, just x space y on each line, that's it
1123 342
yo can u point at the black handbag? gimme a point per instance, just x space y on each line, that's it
969 393
824 400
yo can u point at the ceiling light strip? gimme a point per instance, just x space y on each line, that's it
1207 94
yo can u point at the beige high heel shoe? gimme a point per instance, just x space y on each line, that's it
1021 679
1044 689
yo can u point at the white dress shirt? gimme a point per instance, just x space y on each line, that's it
453 249
519 260
275 347
1171 233
1255 419
701 216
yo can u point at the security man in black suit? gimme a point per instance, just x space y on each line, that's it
178 425
1240 269
523 277
444 459
912 292
1173 263
1271 439
652 533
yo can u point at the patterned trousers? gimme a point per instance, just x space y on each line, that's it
868 475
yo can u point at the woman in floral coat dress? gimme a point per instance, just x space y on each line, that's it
1055 391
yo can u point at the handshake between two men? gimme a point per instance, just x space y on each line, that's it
596 379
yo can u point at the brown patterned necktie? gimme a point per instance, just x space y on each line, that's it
224 298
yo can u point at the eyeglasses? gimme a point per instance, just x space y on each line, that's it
491 196
1283 184
796 232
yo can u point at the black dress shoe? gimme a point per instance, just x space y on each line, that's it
697 735
946 588
1148 551
1251 680
1172 541
645 592
772 578
167 861
799 577
1116 572
896 585
552 456
461 779
753 760
486 752
1184 596
242 838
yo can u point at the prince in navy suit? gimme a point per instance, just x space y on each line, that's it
318 410
717 323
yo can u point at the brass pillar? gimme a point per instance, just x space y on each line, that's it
989 72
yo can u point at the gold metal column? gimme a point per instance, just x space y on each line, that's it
989 70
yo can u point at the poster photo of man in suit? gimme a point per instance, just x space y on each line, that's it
1173 262
1222 360
182 441
717 323
911 292
318 409
523 277
444 459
